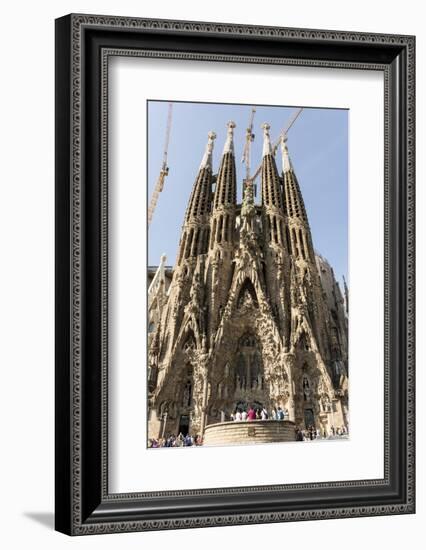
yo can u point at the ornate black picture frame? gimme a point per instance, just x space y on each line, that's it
83 45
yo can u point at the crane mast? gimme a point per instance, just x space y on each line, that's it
247 146
164 171
284 132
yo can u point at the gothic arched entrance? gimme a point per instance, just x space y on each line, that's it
249 381
248 365
309 417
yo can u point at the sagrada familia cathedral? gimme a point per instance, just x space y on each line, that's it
249 315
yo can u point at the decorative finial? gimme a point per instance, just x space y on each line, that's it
229 144
207 158
267 148
287 166
163 258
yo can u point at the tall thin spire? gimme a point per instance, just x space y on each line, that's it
272 200
295 206
267 147
199 202
229 143
271 186
299 234
222 222
226 185
286 162
207 158
195 232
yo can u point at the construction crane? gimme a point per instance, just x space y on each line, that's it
164 168
247 146
289 124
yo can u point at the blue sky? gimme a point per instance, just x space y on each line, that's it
318 146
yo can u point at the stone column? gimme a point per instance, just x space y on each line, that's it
289 362
338 416
204 374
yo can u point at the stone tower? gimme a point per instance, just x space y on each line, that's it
252 315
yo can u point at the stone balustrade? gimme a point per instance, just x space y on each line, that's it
248 432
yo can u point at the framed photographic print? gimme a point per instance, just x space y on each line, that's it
234 274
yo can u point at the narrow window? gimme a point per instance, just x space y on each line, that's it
287 235
189 243
294 240
302 248
219 230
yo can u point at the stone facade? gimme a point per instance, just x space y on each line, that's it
249 314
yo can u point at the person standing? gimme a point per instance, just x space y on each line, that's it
251 415
244 415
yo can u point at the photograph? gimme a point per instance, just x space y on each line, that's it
247 286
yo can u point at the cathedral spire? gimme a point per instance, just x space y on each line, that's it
208 154
229 143
195 231
272 200
271 185
199 202
286 161
267 147
298 232
226 185
225 195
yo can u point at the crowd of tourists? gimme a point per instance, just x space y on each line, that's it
254 413
306 434
175 441
311 433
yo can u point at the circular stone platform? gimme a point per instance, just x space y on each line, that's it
248 432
